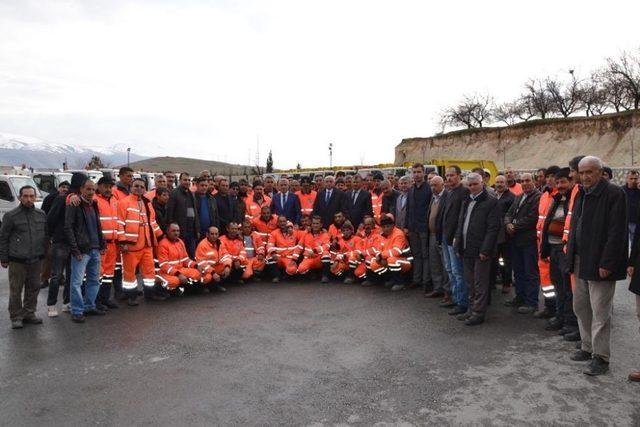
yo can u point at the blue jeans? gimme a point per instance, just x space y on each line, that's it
525 272
632 233
89 265
453 265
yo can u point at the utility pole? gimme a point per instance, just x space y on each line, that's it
128 156
331 154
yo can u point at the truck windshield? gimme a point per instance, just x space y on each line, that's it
20 181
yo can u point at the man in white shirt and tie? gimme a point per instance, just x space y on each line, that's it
286 203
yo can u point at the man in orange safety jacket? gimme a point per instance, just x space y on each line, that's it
283 250
255 248
394 257
344 254
370 247
108 210
256 201
265 223
546 200
234 245
177 270
306 195
316 250
138 235
213 260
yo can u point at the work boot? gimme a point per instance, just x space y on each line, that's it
545 313
463 316
77 318
349 279
111 304
515 302
101 307
580 356
554 324
474 320
526 309
32 320
565 330
457 310
132 301
397 287
572 336
366 283
389 284
324 279
17 324
150 294
634 376
434 294
596 367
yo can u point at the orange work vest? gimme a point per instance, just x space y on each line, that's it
306 201
108 210
137 225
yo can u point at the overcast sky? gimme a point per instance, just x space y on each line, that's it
206 78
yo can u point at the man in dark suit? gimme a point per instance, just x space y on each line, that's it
418 199
520 222
329 201
476 241
389 199
358 203
286 203
226 206
505 200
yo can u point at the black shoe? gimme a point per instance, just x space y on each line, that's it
101 307
463 316
474 320
32 320
111 304
397 287
596 367
133 301
565 330
366 283
324 279
388 284
457 310
348 280
219 288
554 324
95 312
580 356
516 302
545 313
17 324
572 336
77 318
578 345
44 284
155 297
275 280
412 285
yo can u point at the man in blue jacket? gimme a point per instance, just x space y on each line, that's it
286 203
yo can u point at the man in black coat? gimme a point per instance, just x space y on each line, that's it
418 199
476 241
227 206
181 209
329 201
597 255
520 222
505 200
358 201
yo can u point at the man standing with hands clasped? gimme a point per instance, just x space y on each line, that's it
597 256
22 248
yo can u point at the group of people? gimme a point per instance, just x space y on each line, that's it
563 232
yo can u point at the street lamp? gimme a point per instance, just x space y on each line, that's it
330 154
128 154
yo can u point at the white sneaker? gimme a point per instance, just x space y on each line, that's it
51 311
66 308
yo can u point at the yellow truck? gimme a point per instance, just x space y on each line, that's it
440 165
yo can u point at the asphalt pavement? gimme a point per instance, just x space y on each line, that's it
304 353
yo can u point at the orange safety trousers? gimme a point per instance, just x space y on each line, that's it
310 263
393 263
142 259
254 265
339 267
108 263
173 282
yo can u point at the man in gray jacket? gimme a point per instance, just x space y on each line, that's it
22 248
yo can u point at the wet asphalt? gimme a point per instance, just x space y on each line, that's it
303 353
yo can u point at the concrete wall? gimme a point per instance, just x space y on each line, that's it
533 144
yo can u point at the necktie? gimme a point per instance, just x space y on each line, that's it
285 199
327 196
355 196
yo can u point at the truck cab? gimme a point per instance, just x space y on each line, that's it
48 182
10 186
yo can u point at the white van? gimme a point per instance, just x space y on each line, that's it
48 182
10 186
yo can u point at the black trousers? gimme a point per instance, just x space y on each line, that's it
505 271
562 284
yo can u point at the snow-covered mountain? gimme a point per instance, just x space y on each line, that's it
37 153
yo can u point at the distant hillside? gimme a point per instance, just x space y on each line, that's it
192 166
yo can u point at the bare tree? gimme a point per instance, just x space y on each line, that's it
538 98
564 96
525 109
459 115
481 108
627 67
473 111
592 96
615 91
507 112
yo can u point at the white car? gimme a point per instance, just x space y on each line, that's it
10 186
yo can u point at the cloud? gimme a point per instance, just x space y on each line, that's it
206 78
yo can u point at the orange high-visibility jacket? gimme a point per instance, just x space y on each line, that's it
546 199
376 206
172 256
108 209
567 220
137 225
334 233
306 201
118 194
395 244
263 228
235 248
210 255
283 245
316 244
348 248
253 207
259 245
371 245
151 194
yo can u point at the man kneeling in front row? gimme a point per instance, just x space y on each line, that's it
176 268
213 260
